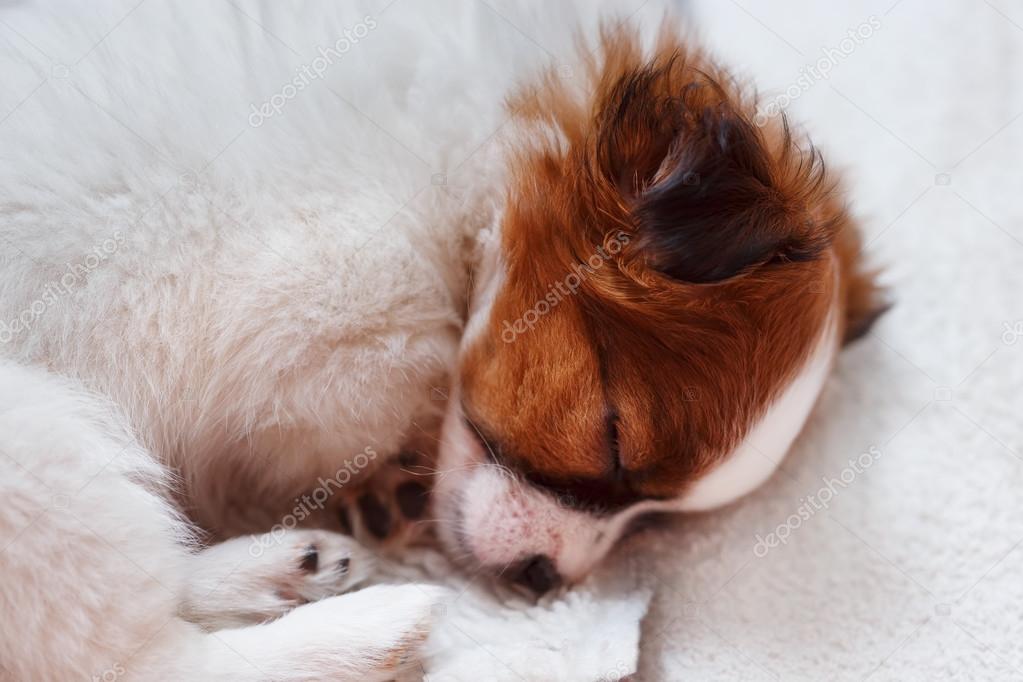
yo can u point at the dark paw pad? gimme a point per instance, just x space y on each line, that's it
375 516
310 559
412 498
345 520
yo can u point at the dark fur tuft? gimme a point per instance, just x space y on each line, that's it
700 180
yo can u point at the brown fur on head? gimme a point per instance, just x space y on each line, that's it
713 255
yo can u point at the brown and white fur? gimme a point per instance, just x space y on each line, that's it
205 323
721 274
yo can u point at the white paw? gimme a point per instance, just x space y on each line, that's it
308 565
255 578
386 625
372 635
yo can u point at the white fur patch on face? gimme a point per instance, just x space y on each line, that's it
760 453
489 275
493 519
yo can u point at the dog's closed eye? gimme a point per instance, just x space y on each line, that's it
491 449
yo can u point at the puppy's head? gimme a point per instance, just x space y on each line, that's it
653 317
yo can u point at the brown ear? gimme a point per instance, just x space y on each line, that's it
709 198
861 314
865 300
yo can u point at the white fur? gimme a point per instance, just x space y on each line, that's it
289 291
249 307
99 576
246 579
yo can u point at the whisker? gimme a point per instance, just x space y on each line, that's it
482 439
426 432
428 471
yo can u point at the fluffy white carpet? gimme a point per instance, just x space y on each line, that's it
904 564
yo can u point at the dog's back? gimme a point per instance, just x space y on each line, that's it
249 228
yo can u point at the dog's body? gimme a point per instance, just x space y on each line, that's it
287 293
246 304
219 267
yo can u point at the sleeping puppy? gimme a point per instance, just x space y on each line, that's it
230 285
